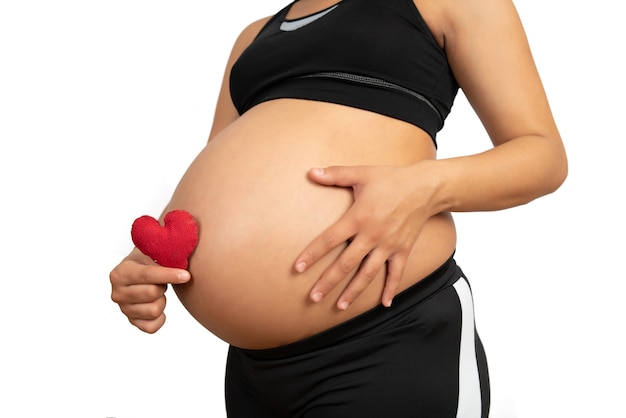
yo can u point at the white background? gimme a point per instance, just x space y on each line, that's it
103 104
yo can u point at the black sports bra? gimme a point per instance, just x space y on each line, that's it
377 55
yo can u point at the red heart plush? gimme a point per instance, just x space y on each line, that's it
169 245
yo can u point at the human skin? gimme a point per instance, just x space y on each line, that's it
287 251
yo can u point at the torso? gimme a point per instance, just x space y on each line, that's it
257 211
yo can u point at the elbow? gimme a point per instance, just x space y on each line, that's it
558 167
547 168
560 175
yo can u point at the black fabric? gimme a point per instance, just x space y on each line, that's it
385 40
396 362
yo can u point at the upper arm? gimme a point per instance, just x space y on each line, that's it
489 54
225 111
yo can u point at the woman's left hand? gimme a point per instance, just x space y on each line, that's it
391 206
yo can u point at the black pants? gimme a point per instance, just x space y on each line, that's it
421 358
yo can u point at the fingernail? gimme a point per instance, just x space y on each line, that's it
301 266
388 303
344 305
317 296
183 276
318 171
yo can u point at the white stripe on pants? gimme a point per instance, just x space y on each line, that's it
469 383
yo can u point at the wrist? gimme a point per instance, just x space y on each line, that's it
435 184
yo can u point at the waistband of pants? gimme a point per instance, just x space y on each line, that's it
446 275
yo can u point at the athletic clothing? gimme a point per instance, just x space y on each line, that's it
377 55
420 358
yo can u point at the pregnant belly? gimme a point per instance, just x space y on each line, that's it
257 210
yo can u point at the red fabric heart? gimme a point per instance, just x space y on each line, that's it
169 245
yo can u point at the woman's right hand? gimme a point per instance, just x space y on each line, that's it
138 286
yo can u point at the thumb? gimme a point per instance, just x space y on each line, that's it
343 176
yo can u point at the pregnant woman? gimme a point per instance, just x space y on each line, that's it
326 246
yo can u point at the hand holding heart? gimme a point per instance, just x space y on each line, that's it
169 245
137 285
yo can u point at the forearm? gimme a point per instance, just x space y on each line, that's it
511 174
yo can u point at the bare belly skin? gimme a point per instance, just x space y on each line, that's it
257 210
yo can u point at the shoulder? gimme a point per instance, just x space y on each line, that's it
245 38
450 19
248 34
